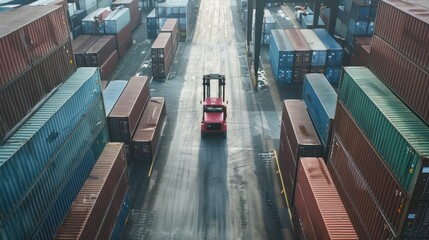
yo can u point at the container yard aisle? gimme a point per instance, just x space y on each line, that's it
212 188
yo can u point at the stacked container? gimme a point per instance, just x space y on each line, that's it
31 70
133 6
76 23
88 5
373 125
319 212
146 140
172 26
112 93
321 100
162 55
303 54
307 22
318 51
179 9
93 23
399 52
99 202
268 24
47 150
80 46
360 51
118 20
334 59
100 51
152 25
298 138
281 56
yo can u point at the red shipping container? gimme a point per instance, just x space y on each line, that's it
109 65
122 49
87 213
407 80
29 34
303 54
135 13
125 115
146 140
162 55
28 91
171 25
364 212
82 46
100 51
317 199
405 25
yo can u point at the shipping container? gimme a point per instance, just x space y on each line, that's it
76 19
318 49
133 6
162 55
387 191
112 93
365 214
27 152
179 9
402 139
281 56
88 5
307 22
92 22
324 209
42 193
122 218
82 45
123 40
53 218
109 65
172 26
147 138
100 51
298 138
303 54
88 212
409 82
126 113
115 22
152 25
407 30
301 218
28 35
335 51
321 100
333 74
24 95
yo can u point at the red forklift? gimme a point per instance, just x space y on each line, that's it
214 108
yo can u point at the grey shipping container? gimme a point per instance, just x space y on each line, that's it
133 6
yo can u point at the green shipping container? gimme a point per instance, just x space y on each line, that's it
400 137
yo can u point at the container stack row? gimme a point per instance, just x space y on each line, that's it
164 49
182 10
94 213
46 161
268 24
152 25
36 56
134 117
293 53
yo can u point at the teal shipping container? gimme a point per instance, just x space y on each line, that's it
43 192
122 218
114 23
399 136
26 153
112 93
321 100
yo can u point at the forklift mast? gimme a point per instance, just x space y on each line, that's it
221 85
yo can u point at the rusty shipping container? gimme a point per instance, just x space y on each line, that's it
109 65
88 213
29 34
100 51
135 13
22 96
171 25
405 25
317 192
366 216
386 189
125 115
79 50
146 140
299 139
162 55
303 54
409 82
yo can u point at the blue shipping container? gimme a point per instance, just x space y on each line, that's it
333 74
307 22
318 49
360 13
25 153
58 211
114 24
281 56
335 51
43 193
122 218
321 100
112 93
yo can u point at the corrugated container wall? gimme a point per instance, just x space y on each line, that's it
133 6
26 153
172 26
162 55
334 58
281 56
114 24
126 113
82 44
402 138
112 93
321 100
146 140
100 51
326 212
302 60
